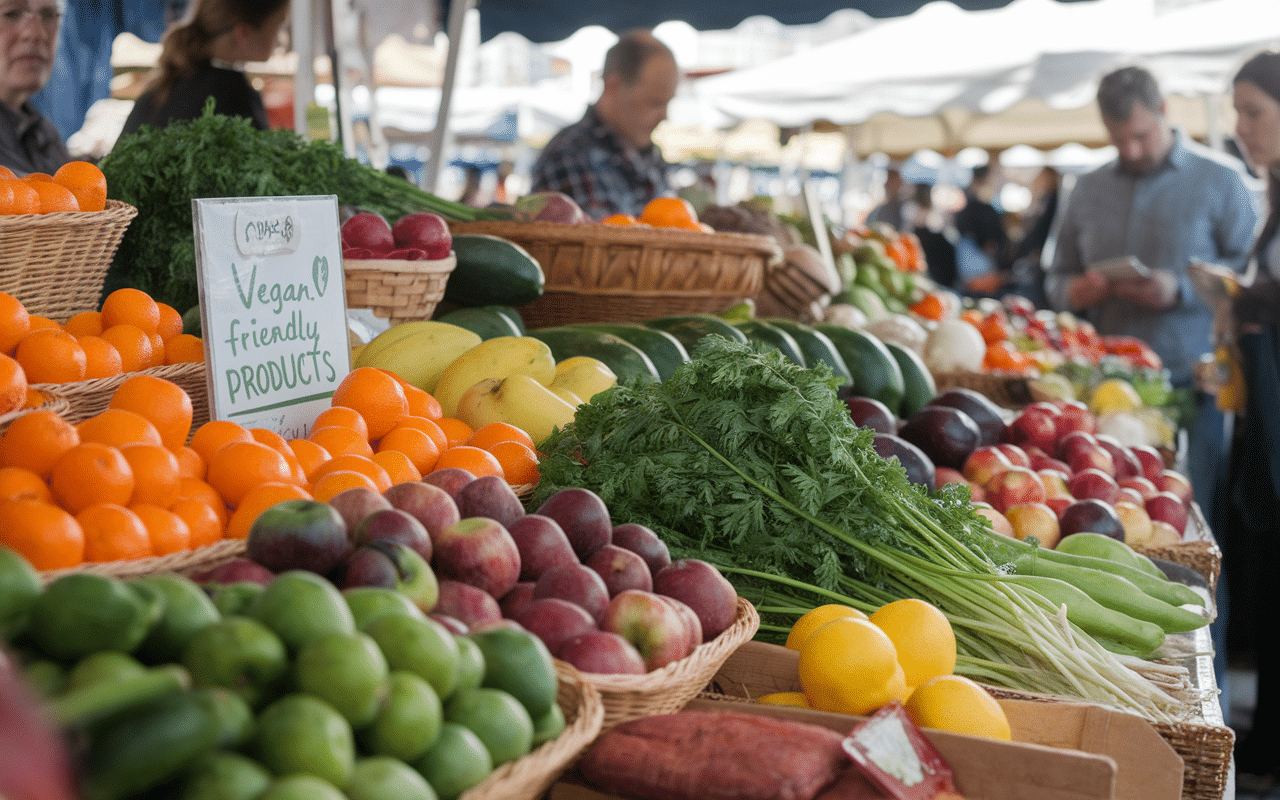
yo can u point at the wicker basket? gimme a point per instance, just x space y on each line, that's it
55 263
53 401
612 273
666 690
91 397
528 777
397 290
1006 391
1197 550
185 562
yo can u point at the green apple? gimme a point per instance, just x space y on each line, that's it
302 734
240 654
345 669
382 777
421 646
300 606
408 721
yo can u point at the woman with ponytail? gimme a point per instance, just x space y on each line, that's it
204 55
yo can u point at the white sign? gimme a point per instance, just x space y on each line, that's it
273 307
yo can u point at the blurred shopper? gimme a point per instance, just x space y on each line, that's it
29 142
607 161
896 195
204 56
937 238
982 250
1027 257
1253 549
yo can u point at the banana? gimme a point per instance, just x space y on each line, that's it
422 355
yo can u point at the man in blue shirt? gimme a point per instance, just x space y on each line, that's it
607 161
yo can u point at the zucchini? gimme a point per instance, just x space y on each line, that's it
484 321
511 314
492 271
875 371
816 346
689 328
626 360
663 349
918 386
773 336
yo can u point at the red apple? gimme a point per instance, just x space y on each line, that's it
1075 416
1073 441
1136 522
369 231
1049 462
1055 483
1168 507
692 625
1034 519
468 604
652 625
425 231
1141 485
478 551
1150 459
431 505
555 621
999 522
1014 486
702 587
542 544
1177 483
490 496
621 569
945 475
601 652
1093 484
516 600
1090 515
1033 428
1017 454
576 583
356 503
641 540
583 516
1126 464
451 479
983 463
392 524
1091 457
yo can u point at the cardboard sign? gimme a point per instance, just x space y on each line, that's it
273 305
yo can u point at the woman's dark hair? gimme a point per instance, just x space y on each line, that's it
190 41
1263 71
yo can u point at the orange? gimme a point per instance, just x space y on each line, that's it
956 703
815 618
35 398
339 441
157 351
1001 355
197 489
377 395
46 536
398 466
18 483
931 307
155 473
86 182
923 637
474 460
91 473
202 521
5 172
131 307
238 467
190 463
170 324
35 440
133 344
86 323
164 403
51 356
38 322
414 443
620 219
215 433
670 212
167 531
25 199
15 323
309 454
117 427
430 428
995 327
101 359
493 432
113 533
334 483
13 385
37 176
277 442
259 499
341 417
184 349
849 666
455 430
421 402
354 463
54 197
519 462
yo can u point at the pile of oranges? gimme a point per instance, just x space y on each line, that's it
76 186
663 212
131 332
134 481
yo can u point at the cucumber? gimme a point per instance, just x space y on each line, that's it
918 387
511 314
689 328
492 271
816 346
663 349
875 371
484 321
626 360
773 336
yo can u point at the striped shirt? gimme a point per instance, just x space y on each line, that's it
603 174
1196 205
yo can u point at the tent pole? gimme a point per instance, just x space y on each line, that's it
440 136
304 80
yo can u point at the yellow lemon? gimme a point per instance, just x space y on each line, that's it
1114 394
784 699
922 634
850 666
816 618
956 703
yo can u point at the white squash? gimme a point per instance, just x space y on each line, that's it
954 346
901 330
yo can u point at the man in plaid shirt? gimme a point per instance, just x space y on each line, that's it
607 161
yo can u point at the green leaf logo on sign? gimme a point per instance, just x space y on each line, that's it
320 274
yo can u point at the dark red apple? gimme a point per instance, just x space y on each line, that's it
1091 515
478 551
451 479
1075 416
621 569
555 621
869 412
584 517
602 652
551 207
394 525
980 408
653 626
1168 507
490 496
1073 442
576 583
702 587
516 600
468 604
425 231
1095 457
1032 428
236 570
356 503
431 505
542 544
1095 484
642 540
369 231
1151 461
1126 464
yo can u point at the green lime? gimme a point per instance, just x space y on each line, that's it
224 775
47 678
367 603
102 667
235 598
82 613
347 670
408 721
421 646
498 718
303 734
456 762
470 663
382 777
187 609
235 717
19 588
240 654
301 606
549 725
302 787
518 663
